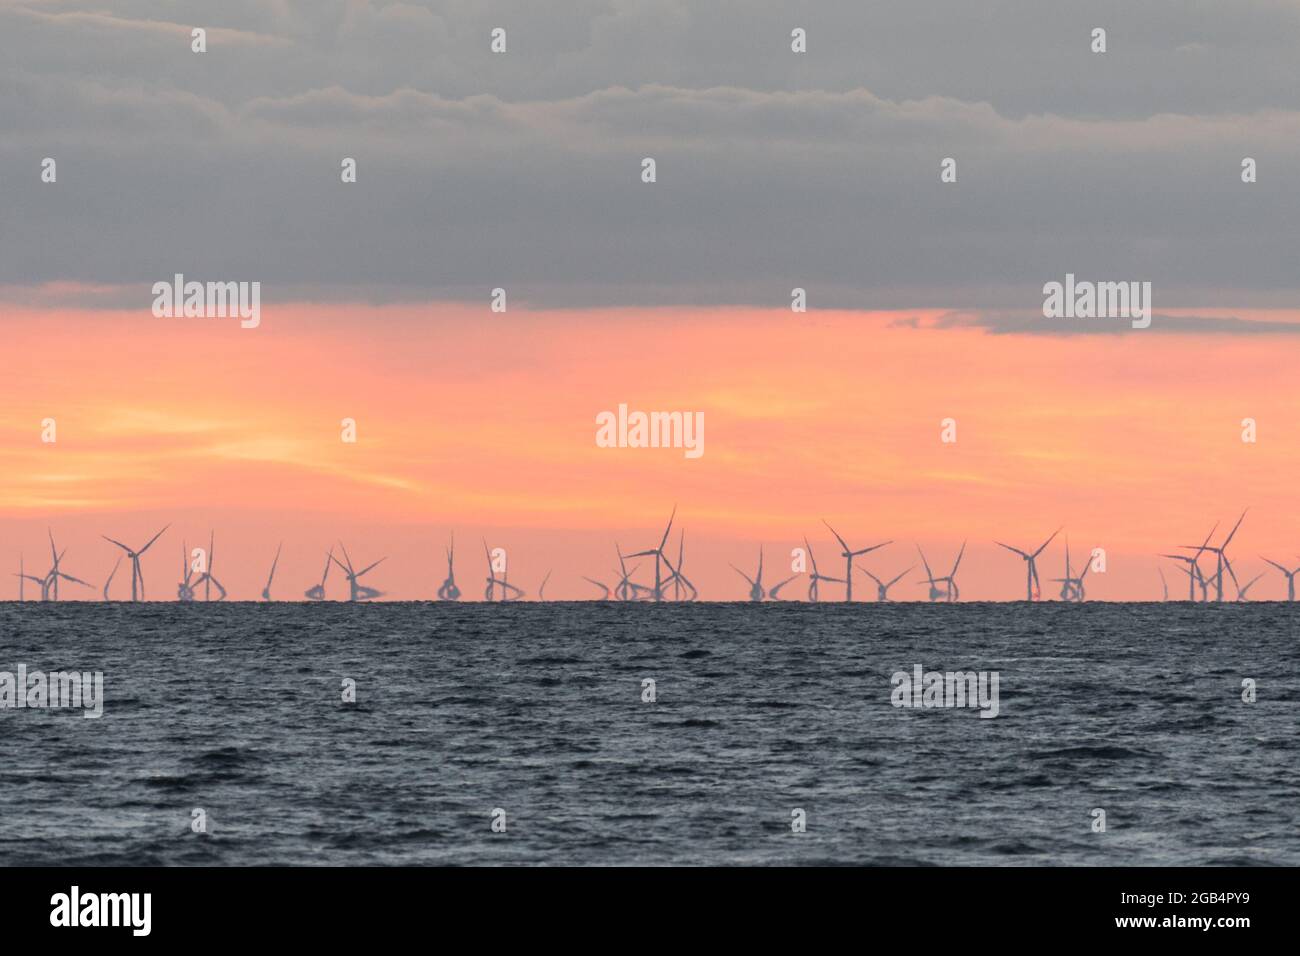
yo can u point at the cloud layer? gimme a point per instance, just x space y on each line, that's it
775 170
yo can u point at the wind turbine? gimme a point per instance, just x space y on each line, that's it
816 577
756 592
493 582
936 592
1072 588
678 579
541 591
266 591
1290 579
206 578
447 591
882 587
185 590
1032 584
357 592
848 554
137 576
1221 556
954 592
658 555
317 593
627 589
603 587
1163 584
950 592
53 576
1193 568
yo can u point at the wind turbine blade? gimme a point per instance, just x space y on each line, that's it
1231 573
1207 539
153 539
115 541
741 573
837 535
1016 550
347 557
874 547
668 529
274 563
808 548
898 578
376 564
1234 530
958 561
928 575
1048 541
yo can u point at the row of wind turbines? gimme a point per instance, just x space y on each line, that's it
670 581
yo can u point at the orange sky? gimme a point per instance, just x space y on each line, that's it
485 424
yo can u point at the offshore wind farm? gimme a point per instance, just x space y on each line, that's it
657 575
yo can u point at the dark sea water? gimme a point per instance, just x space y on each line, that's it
537 709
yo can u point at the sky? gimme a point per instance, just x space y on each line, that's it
522 171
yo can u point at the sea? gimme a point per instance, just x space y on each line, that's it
606 733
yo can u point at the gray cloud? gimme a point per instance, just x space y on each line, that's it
1028 323
775 170
1023 56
